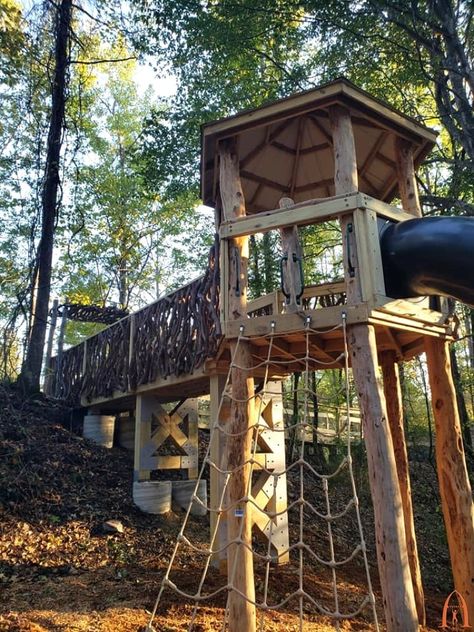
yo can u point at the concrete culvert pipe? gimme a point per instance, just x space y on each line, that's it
152 497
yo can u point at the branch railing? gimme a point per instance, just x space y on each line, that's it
173 336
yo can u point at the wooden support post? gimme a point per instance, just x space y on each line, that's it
393 397
144 409
218 455
399 601
455 489
291 247
241 609
407 185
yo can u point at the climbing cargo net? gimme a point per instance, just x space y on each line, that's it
301 507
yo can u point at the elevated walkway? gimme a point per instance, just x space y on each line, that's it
171 347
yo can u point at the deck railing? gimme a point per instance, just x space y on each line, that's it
173 336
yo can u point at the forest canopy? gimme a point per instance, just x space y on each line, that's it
99 165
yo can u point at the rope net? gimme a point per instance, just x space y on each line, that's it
300 515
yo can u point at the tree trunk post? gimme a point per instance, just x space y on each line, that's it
393 397
241 598
454 485
407 185
397 589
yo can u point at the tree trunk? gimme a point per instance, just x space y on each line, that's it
31 370
463 414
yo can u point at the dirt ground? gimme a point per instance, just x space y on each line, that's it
60 572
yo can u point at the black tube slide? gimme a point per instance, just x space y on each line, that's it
429 256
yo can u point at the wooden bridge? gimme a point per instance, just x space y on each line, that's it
333 154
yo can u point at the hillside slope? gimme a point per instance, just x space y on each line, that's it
60 571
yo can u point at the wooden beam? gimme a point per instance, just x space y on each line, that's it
313 185
399 602
386 160
373 153
271 184
393 397
269 138
454 485
310 212
285 323
407 185
321 129
143 412
241 595
296 162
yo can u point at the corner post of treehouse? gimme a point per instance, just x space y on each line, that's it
241 598
408 190
454 485
397 589
393 397
406 176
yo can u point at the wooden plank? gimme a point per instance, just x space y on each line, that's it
384 210
454 485
393 397
407 309
408 324
296 161
369 254
300 215
320 318
311 100
221 414
143 411
261 302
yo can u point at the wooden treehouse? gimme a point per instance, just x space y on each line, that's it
333 154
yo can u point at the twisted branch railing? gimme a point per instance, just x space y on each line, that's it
173 336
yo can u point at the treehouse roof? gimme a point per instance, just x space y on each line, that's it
285 147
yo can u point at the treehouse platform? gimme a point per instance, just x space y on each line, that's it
330 161
286 180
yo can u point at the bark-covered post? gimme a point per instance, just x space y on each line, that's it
454 485
406 175
393 396
397 589
241 609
